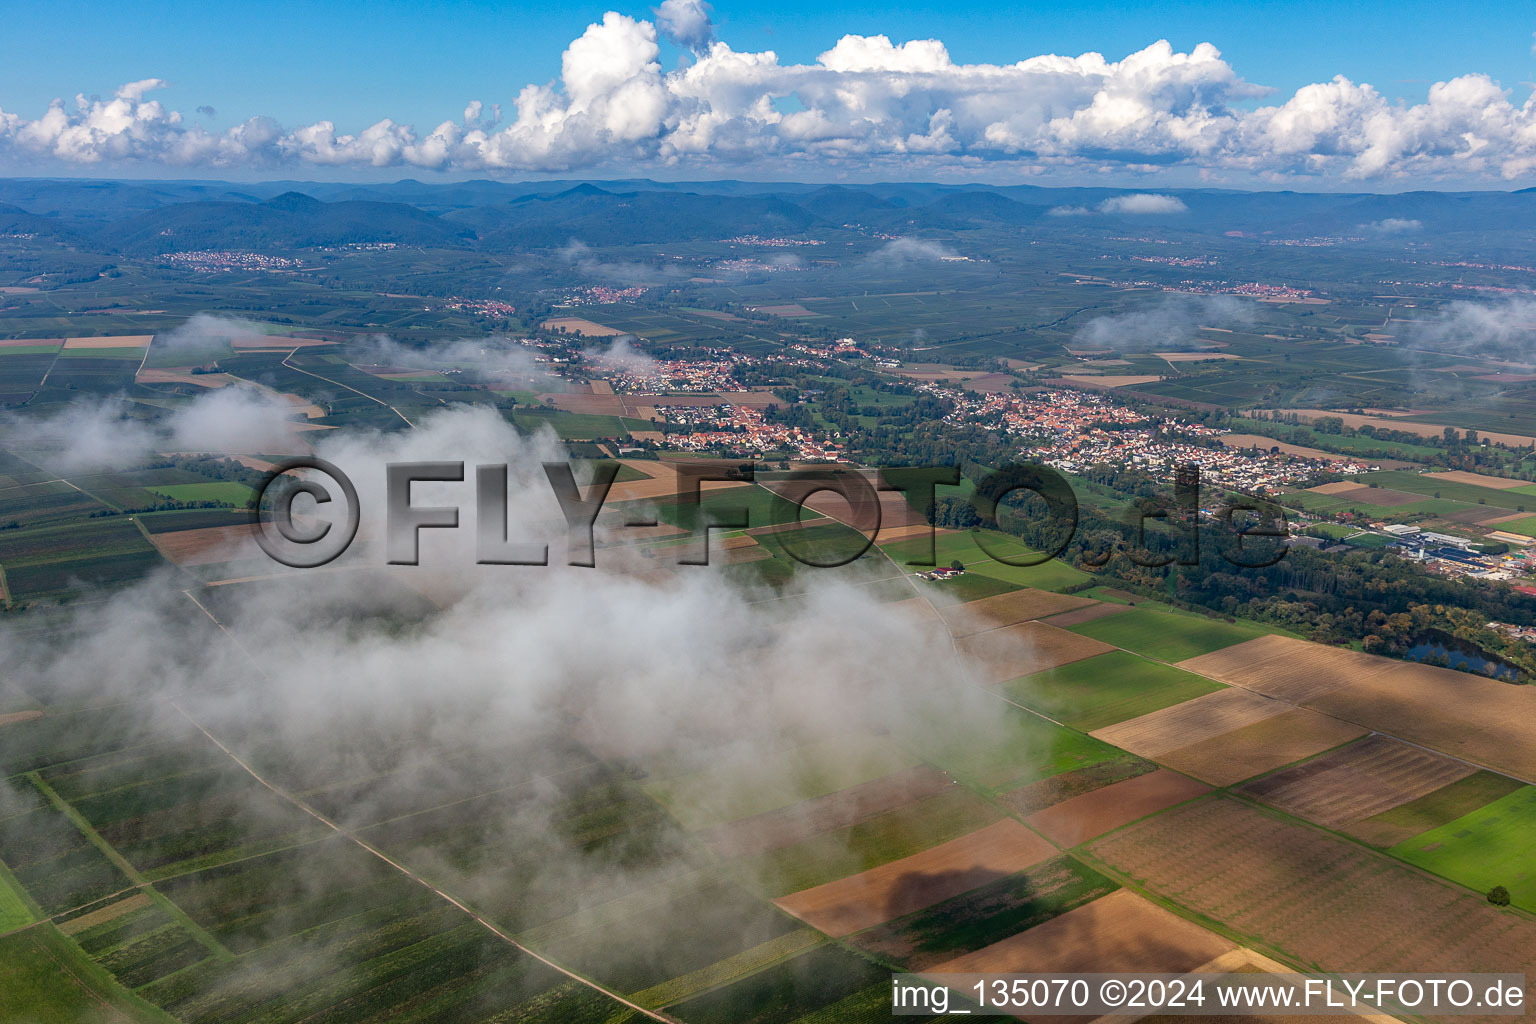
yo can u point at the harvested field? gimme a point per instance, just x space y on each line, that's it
275 341
891 534
1026 648
120 341
1393 422
1007 609
590 405
202 380
1193 357
1481 720
1120 932
1320 899
1361 780
903 886
1458 476
777 829
583 327
1085 817
1287 669
19 716
110 912
1111 380
1263 746
1266 443
1203 718
1386 497
1087 613
208 546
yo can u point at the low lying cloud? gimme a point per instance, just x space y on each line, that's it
1135 204
865 104
912 250
1505 328
107 434
1143 203
1171 325
1393 226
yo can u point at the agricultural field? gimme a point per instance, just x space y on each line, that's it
1242 868
1167 634
1359 781
1488 847
986 914
1107 689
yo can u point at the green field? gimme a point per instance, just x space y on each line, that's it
44 979
1107 689
1433 810
235 494
1526 526
1007 748
1167 634
1488 847
964 547
761 507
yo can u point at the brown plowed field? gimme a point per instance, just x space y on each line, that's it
208 546
1119 932
1320 899
19 716
1261 747
1290 670
1457 476
1363 779
892 890
1008 609
1026 648
790 825
1084 817
1482 720
1085 614
1190 722
1384 496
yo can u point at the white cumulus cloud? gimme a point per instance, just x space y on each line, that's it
867 104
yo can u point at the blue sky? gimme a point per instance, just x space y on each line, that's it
357 62
417 64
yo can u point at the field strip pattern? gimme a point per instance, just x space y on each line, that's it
1363 779
1092 814
1024 649
1316 898
1007 609
1190 722
1287 669
902 886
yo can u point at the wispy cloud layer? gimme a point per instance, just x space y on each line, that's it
865 103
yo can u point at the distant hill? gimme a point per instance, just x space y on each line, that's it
592 215
147 217
290 220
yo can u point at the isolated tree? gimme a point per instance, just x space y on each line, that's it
957 565
1498 896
